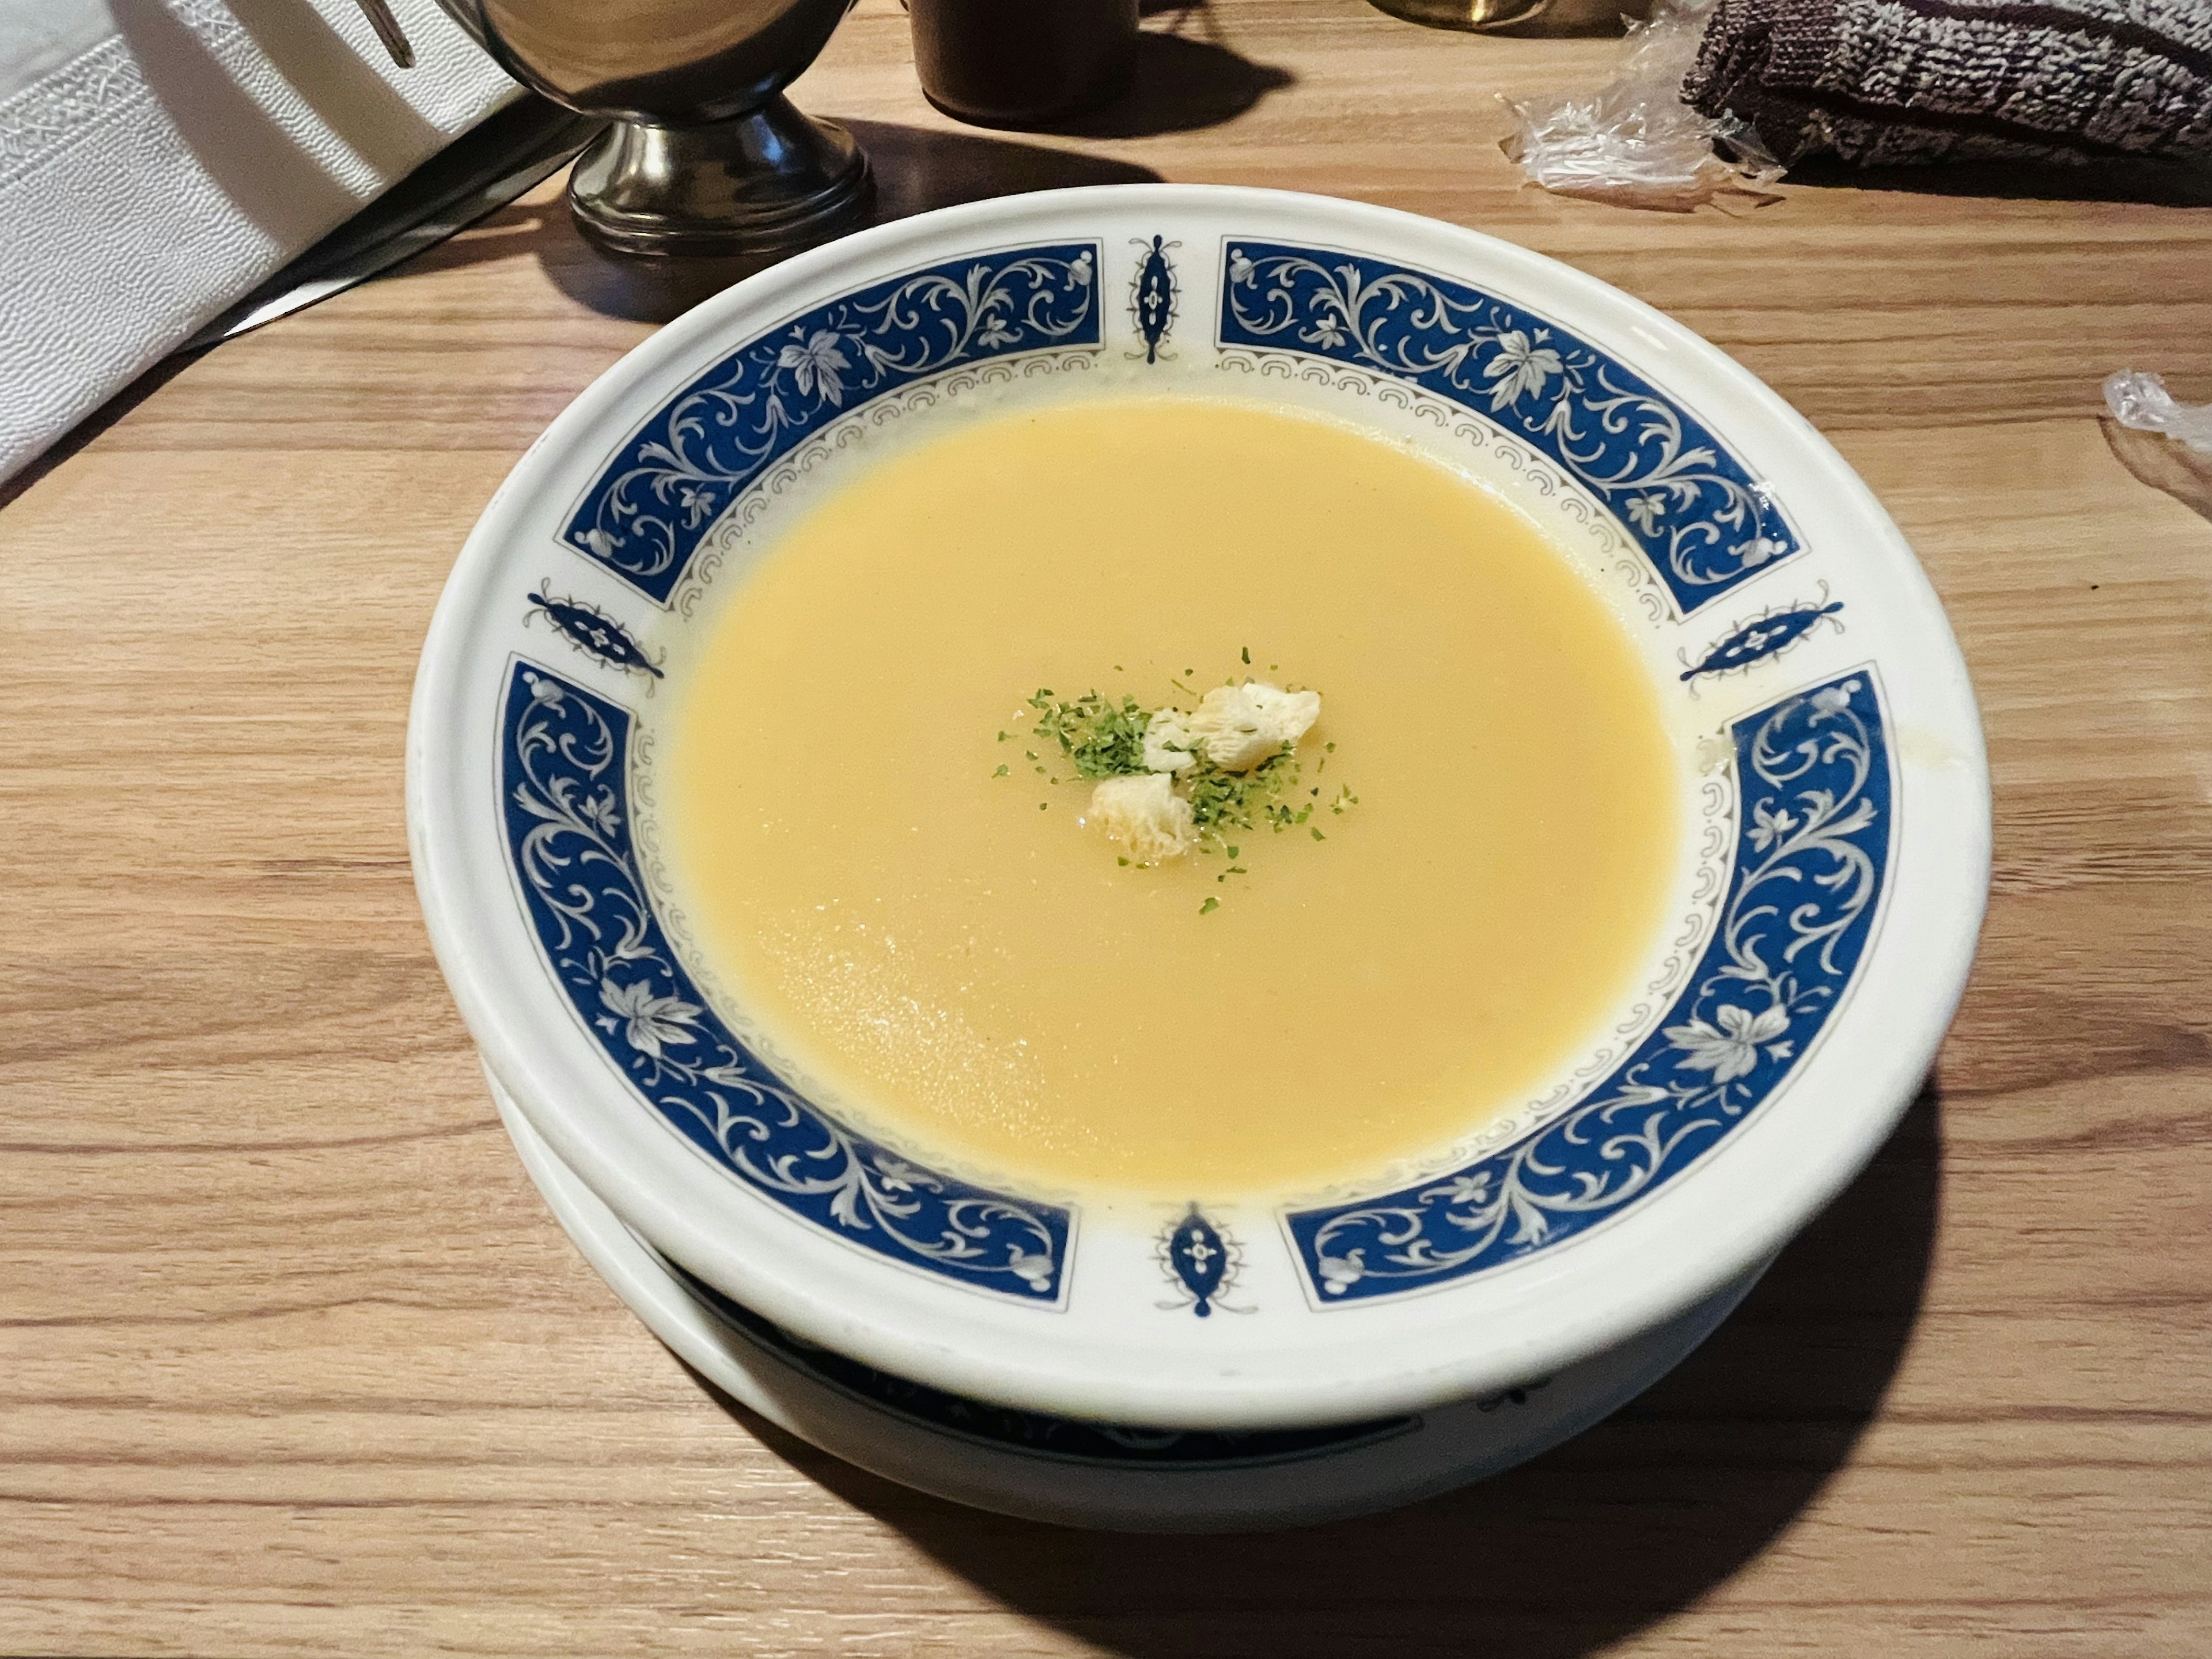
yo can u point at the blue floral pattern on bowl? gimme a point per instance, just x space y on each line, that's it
1202 1261
1820 909
1812 856
1153 294
1765 636
1699 516
1040 1434
590 631
647 510
565 769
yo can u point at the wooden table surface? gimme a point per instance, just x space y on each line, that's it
295 1359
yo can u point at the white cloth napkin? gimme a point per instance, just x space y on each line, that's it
160 158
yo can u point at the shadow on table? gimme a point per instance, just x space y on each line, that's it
1557 1559
1575 20
1181 85
2152 182
916 169
94 424
922 168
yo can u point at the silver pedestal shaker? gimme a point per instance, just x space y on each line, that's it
706 155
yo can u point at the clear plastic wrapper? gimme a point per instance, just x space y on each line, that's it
1634 141
2142 403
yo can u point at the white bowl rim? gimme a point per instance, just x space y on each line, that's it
1416 1351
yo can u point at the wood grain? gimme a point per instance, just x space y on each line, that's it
292 1359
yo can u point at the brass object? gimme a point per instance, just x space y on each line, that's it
706 155
1474 15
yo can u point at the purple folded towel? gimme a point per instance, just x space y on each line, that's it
1890 82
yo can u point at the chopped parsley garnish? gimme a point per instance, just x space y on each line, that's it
1101 736
1220 801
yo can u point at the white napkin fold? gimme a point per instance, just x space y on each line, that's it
160 158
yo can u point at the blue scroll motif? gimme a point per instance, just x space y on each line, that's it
1812 853
1516 1396
1152 293
1698 515
1766 636
564 769
648 509
1200 1258
591 631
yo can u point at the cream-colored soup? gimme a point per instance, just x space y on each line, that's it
958 958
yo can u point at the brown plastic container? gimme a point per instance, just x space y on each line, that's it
1023 62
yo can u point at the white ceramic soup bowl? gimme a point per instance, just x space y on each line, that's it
1825 909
